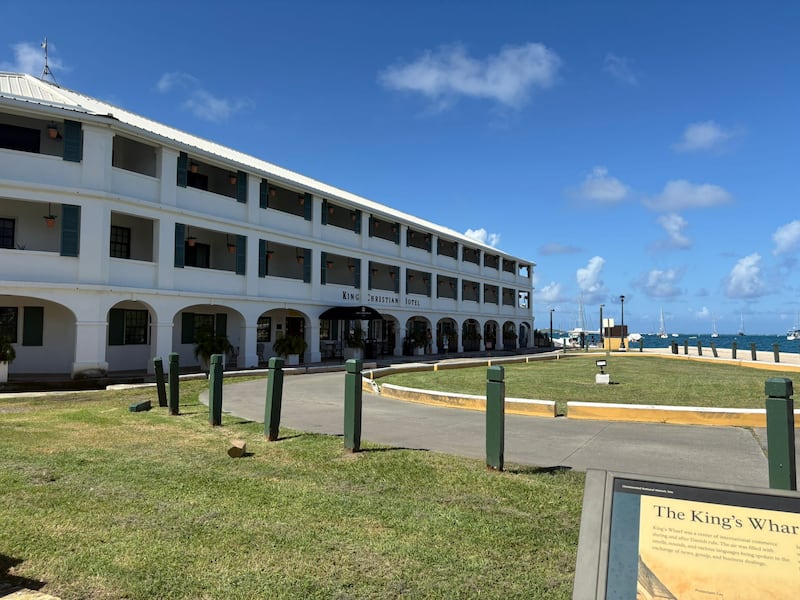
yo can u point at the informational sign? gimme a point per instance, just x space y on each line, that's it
657 539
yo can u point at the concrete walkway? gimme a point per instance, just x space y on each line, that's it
314 403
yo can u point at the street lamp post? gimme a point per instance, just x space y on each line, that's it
552 345
601 326
622 324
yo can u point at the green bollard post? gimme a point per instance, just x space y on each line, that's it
215 391
753 351
158 365
734 345
674 347
714 349
174 384
780 434
686 347
352 405
272 411
776 352
495 417
699 348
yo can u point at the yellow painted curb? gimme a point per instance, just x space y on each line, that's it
516 406
678 415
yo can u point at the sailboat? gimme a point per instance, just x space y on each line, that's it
714 333
662 331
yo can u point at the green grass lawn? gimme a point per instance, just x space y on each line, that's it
637 379
98 502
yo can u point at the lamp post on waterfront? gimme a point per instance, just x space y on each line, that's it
601 326
552 345
622 324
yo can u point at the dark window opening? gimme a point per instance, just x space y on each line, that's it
6 233
23 139
120 242
198 255
8 323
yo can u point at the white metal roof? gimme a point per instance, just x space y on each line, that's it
21 87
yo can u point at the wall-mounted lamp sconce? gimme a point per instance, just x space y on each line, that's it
299 256
269 254
190 239
331 209
273 192
231 246
329 264
232 179
194 167
301 199
52 132
353 217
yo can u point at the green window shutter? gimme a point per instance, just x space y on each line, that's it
183 169
428 285
241 254
357 224
241 187
369 276
324 218
180 245
308 206
221 324
263 194
187 328
323 264
357 278
262 258
73 141
307 265
33 326
397 281
70 230
397 233
116 327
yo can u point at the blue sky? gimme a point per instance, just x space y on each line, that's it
645 149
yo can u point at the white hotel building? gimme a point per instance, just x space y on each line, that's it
121 237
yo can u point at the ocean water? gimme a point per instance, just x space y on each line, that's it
763 342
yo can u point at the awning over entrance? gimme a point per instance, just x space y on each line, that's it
351 313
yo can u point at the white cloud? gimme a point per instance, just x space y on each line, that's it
674 224
552 248
680 194
787 238
484 237
549 294
600 186
659 283
588 277
703 313
744 280
201 103
29 58
620 69
170 81
508 77
703 136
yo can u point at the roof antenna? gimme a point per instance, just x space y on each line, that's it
46 71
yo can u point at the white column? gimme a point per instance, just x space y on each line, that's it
168 172
314 355
248 357
161 340
94 243
90 349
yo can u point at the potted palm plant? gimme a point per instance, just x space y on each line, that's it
209 343
7 355
290 347
354 344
